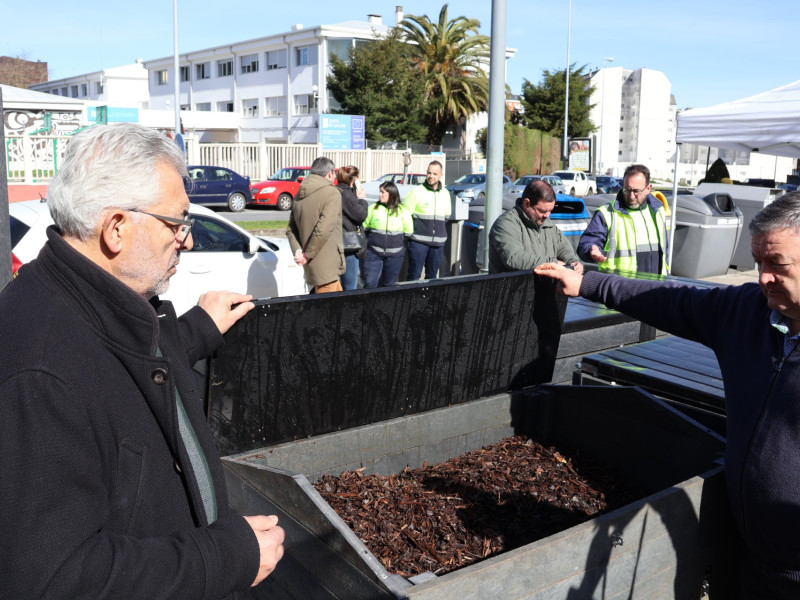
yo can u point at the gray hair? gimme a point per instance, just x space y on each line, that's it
782 213
109 166
322 165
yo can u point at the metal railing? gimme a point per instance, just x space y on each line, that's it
32 159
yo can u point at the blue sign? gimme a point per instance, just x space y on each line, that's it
342 132
115 114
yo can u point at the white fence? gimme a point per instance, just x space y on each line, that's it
32 159
260 161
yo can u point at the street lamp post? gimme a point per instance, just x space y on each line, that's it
566 96
602 113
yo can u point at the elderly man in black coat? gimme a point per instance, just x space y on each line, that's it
112 485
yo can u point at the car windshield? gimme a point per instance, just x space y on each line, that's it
525 180
567 175
18 231
604 179
472 178
288 174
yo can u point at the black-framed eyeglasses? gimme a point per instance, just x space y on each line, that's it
180 227
631 191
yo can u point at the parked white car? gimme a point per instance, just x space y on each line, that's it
224 256
576 183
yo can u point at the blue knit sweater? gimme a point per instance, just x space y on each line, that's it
762 391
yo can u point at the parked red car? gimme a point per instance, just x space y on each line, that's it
280 189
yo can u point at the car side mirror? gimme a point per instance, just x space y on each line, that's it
299 179
254 246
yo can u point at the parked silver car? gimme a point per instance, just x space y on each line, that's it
473 186
554 181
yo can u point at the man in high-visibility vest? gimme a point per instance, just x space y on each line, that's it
430 208
628 234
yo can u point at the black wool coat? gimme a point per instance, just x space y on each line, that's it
99 498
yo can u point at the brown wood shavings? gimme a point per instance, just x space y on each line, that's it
443 517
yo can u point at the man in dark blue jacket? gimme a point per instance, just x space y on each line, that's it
112 484
754 331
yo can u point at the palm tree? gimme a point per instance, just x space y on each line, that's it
451 55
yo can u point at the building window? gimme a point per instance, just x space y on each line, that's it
340 48
307 55
184 74
64 92
162 77
276 59
275 106
203 106
99 87
250 108
54 91
202 71
225 106
73 91
84 90
304 104
225 68
249 63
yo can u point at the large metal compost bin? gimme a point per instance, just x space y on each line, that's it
674 542
297 367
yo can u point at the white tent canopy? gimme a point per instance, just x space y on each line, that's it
768 123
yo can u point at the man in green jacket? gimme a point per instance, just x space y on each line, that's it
525 237
315 228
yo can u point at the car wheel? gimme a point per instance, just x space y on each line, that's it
572 192
591 191
237 202
284 202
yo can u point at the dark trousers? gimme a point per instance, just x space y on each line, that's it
381 270
421 255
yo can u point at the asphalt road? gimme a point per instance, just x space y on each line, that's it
261 213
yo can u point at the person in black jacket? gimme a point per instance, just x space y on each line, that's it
112 483
754 331
354 211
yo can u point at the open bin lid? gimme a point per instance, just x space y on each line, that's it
568 207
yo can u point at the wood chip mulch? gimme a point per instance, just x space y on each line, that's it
443 517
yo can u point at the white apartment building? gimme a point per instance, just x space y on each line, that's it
635 116
271 89
124 86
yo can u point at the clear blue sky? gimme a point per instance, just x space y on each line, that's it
711 52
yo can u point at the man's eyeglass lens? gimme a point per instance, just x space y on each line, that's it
181 227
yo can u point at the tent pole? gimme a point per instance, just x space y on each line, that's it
674 208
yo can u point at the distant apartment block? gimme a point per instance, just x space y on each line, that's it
124 86
635 116
270 89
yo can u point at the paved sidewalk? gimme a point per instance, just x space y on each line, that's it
734 277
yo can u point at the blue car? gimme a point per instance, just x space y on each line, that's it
218 185
606 184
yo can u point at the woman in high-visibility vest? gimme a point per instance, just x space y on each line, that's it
387 225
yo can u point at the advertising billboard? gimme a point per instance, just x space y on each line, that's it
580 154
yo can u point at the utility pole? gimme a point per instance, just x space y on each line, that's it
5 221
564 145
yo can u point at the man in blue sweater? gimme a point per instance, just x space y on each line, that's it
754 332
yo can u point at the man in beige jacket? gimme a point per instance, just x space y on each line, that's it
315 228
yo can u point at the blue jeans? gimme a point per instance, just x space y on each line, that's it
349 278
380 270
420 255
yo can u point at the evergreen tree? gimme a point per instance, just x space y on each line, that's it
544 103
379 82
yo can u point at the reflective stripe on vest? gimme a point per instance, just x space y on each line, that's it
621 248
